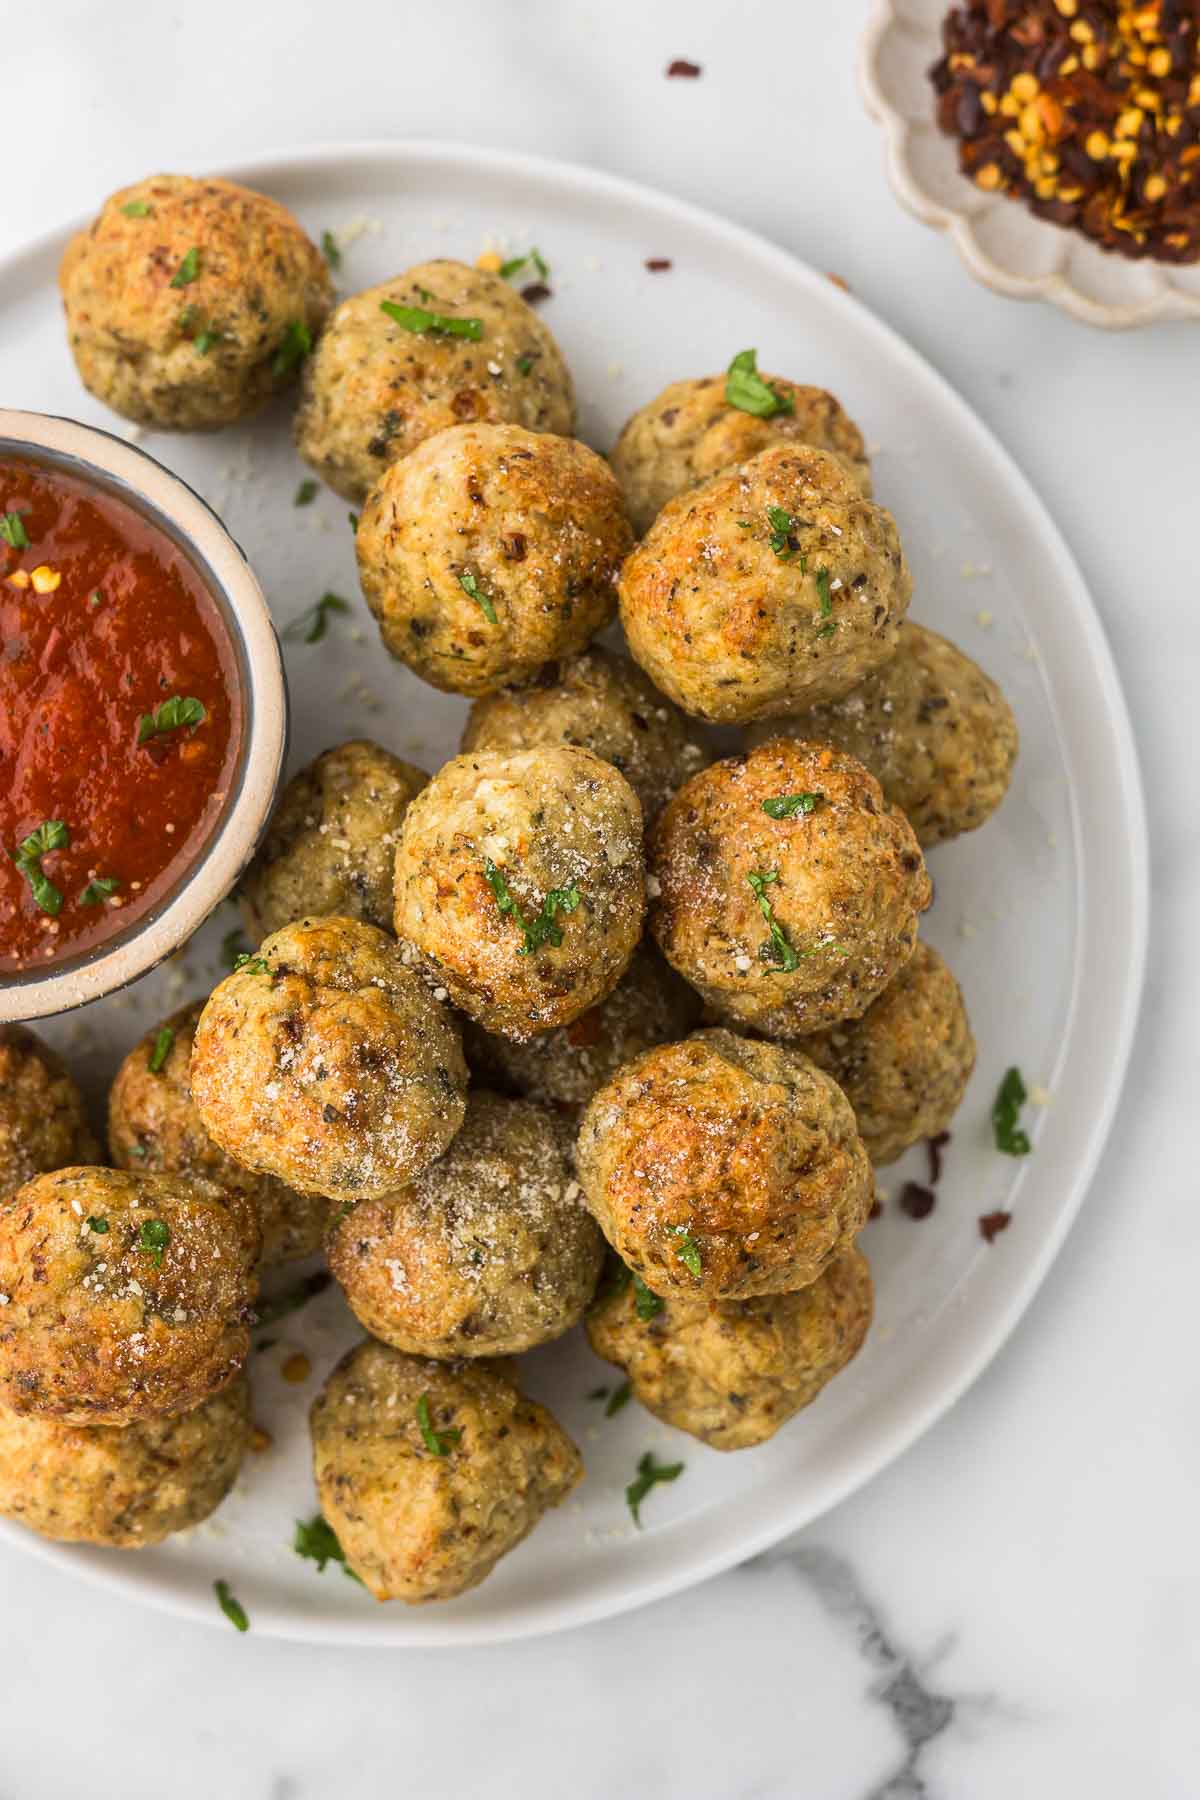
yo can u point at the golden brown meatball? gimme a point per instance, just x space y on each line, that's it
733 1372
124 1296
788 890
326 1062
691 432
155 1129
490 550
934 730
724 1167
125 1486
770 587
430 1472
42 1121
331 843
190 303
606 704
488 1253
904 1065
563 1068
520 879
378 386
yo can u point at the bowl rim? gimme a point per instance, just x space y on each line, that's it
91 452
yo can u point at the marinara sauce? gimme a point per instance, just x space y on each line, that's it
119 714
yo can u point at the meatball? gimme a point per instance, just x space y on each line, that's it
733 1372
125 1296
155 1129
563 1068
490 550
42 1121
606 704
934 730
770 587
691 432
905 1064
521 881
723 1167
125 1486
190 303
788 889
331 843
326 1062
377 386
430 1472
488 1253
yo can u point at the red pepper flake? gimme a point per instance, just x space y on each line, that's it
990 1224
656 264
535 291
689 70
935 1145
876 1211
838 281
917 1201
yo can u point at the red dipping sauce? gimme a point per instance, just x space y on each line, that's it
104 624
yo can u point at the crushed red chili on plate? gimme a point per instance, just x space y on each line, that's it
991 1224
535 291
690 71
1087 110
119 715
656 264
917 1201
934 1146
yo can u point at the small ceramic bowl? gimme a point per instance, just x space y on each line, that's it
119 468
1000 241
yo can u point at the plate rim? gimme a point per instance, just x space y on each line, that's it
681 1560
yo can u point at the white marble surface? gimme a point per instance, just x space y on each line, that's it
1012 1608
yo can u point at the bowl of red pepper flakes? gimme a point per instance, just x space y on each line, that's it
1056 141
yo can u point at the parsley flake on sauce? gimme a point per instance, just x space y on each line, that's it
51 834
418 319
469 585
98 890
746 389
12 530
541 929
649 1474
313 624
171 715
188 269
161 1050
786 806
781 952
438 1443
232 1607
1006 1111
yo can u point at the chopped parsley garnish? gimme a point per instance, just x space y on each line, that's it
153 1238
98 890
51 834
614 1277
524 364
618 1398
316 1539
205 339
330 250
515 264
649 1474
249 964
188 269
313 624
824 592
171 715
161 1050
296 345
827 629
786 806
231 948
646 1302
783 543
135 209
780 951
306 493
353 518
1006 1111
12 530
99 1226
418 319
233 1609
542 928
470 585
688 1253
291 1299
438 1443
746 389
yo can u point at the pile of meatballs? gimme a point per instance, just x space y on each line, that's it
591 1024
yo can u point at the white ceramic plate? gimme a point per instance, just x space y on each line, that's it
1042 914
1001 242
